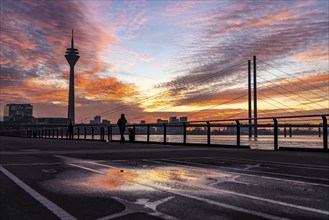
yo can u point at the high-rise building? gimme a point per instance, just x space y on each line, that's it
72 58
183 119
22 113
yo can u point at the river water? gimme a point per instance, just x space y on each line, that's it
264 142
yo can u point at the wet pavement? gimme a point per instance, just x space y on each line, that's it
56 179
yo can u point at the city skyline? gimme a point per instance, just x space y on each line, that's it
132 51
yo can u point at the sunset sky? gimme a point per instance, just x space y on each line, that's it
155 59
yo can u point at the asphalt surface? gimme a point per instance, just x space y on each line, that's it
69 179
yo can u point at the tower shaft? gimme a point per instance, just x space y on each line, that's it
72 58
71 107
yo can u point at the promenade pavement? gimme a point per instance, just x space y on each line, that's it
71 179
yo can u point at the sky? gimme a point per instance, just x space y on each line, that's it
161 58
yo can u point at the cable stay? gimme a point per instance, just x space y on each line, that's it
292 83
293 98
292 75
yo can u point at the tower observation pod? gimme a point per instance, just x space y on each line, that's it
72 57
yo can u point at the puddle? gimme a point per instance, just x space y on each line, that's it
172 178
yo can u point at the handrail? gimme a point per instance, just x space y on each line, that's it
48 131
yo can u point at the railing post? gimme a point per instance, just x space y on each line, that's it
164 133
325 132
92 133
134 133
208 132
320 130
67 133
53 133
111 133
184 133
108 133
103 133
57 132
62 133
78 133
85 130
148 134
290 131
276 134
238 141
285 131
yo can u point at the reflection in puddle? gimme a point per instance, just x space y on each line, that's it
172 178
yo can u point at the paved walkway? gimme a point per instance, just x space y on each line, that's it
63 179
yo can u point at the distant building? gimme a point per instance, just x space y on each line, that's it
97 119
143 121
104 121
159 120
173 119
183 119
51 121
20 113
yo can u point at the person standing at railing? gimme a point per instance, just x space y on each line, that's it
70 131
122 126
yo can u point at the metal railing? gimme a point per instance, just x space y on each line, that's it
107 132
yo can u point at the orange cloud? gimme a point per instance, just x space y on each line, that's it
310 55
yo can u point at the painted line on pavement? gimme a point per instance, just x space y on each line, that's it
61 213
255 171
226 169
209 201
213 189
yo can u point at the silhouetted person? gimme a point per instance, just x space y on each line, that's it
122 126
71 131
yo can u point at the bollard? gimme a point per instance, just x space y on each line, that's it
276 132
237 133
184 133
208 132
109 135
92 133
78 133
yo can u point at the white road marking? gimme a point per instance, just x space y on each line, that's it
61 213
295 165
30 164
141 205
212 202
244 174
213 189
255 171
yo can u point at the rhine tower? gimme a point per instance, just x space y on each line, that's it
72 58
